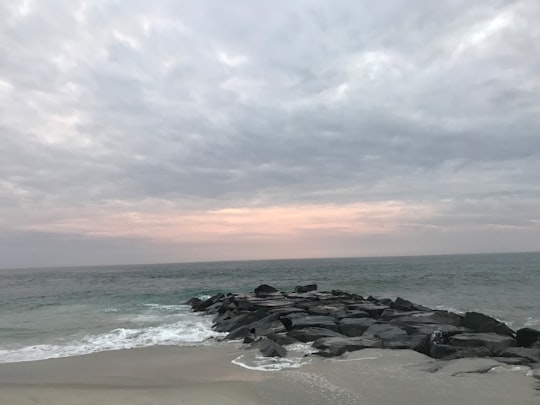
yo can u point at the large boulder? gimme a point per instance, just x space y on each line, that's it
269 348
526 337
239 333
203 305
281 339
355 326
305 288
265 289
448 352
486 324
384 331
438 332
336 346
527 354
374 310
429 317
406 305
492 341
312 334
242 319
336 310
319 321
193 302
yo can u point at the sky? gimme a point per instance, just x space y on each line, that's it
176 131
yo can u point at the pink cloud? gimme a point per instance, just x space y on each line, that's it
295 221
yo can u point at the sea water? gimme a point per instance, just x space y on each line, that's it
60 312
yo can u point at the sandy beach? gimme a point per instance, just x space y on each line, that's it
205 375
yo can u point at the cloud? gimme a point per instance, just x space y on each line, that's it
180 110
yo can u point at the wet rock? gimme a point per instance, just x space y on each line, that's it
297 322
239 333
374 310
527 354
447 352
193 302
406 305
266 325
385 331
210 301
333 310
493 342
269 348
265 289
354 326
312 334
444 331
486 324
526 337
305 288
281 339
429 317
242 319
355 313
336 346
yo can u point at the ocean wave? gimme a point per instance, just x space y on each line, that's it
191 329
296 359
262 363
167 308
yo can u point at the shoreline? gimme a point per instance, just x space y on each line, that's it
206 374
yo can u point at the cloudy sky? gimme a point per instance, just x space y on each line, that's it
165 131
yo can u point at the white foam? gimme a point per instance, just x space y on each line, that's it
303 348
449 309
189 329
532 322
262 363
166 308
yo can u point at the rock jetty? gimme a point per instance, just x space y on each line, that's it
336 322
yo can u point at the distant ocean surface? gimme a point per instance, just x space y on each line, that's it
59 312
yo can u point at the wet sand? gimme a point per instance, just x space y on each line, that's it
205 375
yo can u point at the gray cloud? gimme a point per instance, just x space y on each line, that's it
254 104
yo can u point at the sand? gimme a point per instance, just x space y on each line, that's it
205 375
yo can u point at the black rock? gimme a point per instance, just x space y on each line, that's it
355 313
281 339
406 305
312 334
333 310
526 337
442 331
269 348
486 324
305 288
492 341
193 302
447 352
265 289
354 326
373 309
429 317
242 319
266 325
526 354
210 301
384 331
239 333
319 321
336 346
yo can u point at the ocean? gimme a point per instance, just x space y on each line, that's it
70 311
